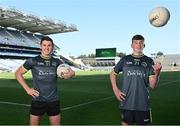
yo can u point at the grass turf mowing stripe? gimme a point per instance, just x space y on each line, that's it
63 109
82 104
86 103
167 83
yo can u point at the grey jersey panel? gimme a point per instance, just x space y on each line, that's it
44 77
136 72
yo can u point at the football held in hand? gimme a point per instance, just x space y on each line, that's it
61 69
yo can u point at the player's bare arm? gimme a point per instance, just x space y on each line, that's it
19 76
153 80
118 93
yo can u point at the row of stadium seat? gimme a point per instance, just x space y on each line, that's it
10 64
13 37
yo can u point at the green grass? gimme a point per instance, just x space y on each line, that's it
87 87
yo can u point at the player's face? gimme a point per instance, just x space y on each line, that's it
138 46
46 48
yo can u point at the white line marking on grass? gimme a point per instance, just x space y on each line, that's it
86 103
82 104
167 83
13 103
63 109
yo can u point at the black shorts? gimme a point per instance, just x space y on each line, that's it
39 108
135 117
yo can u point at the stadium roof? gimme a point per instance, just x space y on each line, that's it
16 19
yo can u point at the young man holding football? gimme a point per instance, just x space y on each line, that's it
139 73
45 97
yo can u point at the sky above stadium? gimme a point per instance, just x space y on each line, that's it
107 24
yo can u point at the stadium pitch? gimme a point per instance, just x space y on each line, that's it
87 99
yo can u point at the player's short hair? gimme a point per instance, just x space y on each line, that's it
47 39
137 37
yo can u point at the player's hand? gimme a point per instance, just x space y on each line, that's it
67 75
119 94
32 92
157 67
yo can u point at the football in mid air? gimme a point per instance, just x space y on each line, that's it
159 16
61 69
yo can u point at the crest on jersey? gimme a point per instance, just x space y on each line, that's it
144 64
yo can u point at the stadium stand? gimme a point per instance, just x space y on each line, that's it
99 64
10 64
20 35
89 61
170 62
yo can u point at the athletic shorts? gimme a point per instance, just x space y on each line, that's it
39 108
135 117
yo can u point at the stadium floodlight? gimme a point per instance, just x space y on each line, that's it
49 20
61 23
74 27
32 16
14 10
58 22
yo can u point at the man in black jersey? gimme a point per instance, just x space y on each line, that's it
139 73
45 97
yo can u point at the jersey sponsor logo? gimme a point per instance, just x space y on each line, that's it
135 73
45 73
129 62
40 63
